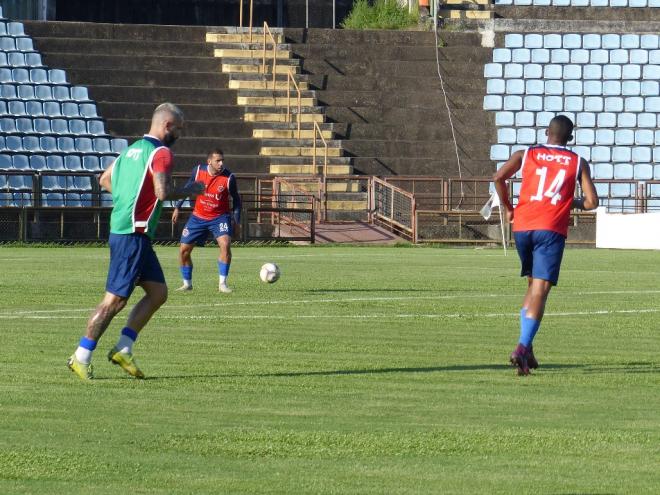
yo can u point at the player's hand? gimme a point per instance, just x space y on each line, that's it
509 215
236 228
175 215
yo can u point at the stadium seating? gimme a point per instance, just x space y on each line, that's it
607 83
46 125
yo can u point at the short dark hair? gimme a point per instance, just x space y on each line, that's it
561 127
216 151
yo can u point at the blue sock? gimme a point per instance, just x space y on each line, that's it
130 333
186 273
127 339
88 344
528 329
223 269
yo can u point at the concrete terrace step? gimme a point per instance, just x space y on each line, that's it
258 69
249 164
395 133
575 26
266 85
120 77
316 36
256 53
593 15
122 47
258 61
298 151
188 65
309 169
241 38
114 110
146 32
197 128
332 143
160 94
306 160
382 165
279 102
202 145
242 30
289 134
255 45
282 117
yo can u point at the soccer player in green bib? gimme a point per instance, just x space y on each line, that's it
140 179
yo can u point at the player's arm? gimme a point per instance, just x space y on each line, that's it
589 199
235 199
508 170
106 178
162 166
179 203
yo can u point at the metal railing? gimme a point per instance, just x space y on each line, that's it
394 208
267 33
292 80
325 165
240 17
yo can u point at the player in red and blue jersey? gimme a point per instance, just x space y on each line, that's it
540 220
212 213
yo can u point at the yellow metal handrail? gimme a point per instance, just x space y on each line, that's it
263 66
291 79
240 17
325 166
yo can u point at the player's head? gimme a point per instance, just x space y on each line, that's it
215 160
560 130
167 123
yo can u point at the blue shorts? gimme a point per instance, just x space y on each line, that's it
540 253
197 230
132 260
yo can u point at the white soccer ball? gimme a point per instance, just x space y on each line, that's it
269 273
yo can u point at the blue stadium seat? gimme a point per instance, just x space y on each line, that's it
506 136
24 125
604 136
70 109
611 71
553 87
541 138
633 104
601 154
72 200
611 41
43 92
543 118
33 59
623 171
84 145
88 110
612 88
553 71
79 93
38 162
526 136
57 76
533 41
534 87
619 56
647 120
651 72
17 107
628 88
652 104
560 56
532 103
23 199
52 109
8 91
48 144
38 76
625 137
15 29
593 88
540 55
631 71
31 144
5 162
490 70
6 75
603 171
23 91
626 119
66 144
7 44
524 119
499 152
573 88
61 93
59 126
643 171
19 182
42 126
630 41
639 56
53 200
96 127
514 40
641 154
533 71
16 59
515 86
613 104
91 163
7 125
86 200
106 199
20 162
599 56
6 199
593 104
34 108
53 183
491 102
606 119
572 41
520 55
77 127
585 137
591 41
552 41
13 143
102 145
592 71
107 160
118 144
649 41
573 104
83 183
55 163
495 86
643 137
621 154
586 119
73 163
513 71
580 56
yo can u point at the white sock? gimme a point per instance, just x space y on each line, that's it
83 355
223 280
125 344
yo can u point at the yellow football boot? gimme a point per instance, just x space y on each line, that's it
84 371
126 361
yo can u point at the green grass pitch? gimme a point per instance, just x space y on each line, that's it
364 370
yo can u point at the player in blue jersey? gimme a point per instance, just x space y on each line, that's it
212 214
